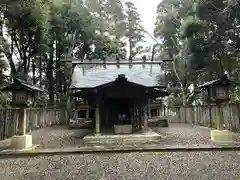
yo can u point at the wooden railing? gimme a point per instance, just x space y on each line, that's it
36 118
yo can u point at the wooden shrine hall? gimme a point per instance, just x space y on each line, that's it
120 93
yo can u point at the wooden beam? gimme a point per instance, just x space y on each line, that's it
114 63
110 62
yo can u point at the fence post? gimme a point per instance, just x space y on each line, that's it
210 115
41 118
220 119
4 123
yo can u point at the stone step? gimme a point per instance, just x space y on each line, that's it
126 139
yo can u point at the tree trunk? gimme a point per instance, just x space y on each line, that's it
58 71
34 71
50 76
8 52
40 70
184 102
130 49
64 85
184 97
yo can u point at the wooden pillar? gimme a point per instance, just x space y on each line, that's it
145 119
131 115
135 116
139 117
87 113
164 111
97 121
149 108
144 116
22 121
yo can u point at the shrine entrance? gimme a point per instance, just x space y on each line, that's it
117 111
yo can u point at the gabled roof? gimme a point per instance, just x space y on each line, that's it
154 92
223 80
24 84
149 75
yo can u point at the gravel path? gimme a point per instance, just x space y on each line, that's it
135 166
62 137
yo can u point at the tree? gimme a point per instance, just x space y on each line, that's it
134 29
109 19
170 21
36 35
219 38
115 17
202 39
23 20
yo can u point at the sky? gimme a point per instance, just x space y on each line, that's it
147 10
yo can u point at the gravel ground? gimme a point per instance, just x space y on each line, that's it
184 134
54 137
135 166
62 137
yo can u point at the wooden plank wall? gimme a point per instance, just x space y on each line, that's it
36 118
206 115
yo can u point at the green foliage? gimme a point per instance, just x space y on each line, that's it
4 100
201 37
172 101
42 32
41 100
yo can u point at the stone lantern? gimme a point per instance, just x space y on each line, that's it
218 92
23 95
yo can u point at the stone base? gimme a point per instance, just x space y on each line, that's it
158 122
123 129
123 139
222 136
21 142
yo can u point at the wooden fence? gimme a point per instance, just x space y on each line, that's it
36 118
206 115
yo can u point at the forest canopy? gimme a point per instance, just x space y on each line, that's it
36 34
201 37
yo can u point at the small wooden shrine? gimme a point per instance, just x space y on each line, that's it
120 93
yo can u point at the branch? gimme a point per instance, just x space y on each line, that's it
174 60
175 70
18 48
